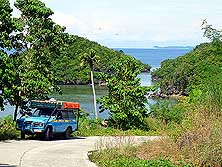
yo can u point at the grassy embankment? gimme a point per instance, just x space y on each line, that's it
192 128
195 141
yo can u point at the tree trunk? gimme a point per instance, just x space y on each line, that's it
16 106
16 112
94 93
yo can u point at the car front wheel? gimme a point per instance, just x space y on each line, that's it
49 133
22 135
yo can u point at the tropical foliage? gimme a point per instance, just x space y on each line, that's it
36 54
7 129
126 99
202 66
68 68
91 59
31 42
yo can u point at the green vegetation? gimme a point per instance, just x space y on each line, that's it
126 99
195 140
192 128
91 59
36 54
115 158
7 129
37 40
92 127
69 70
202 66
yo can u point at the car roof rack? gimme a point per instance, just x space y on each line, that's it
54 104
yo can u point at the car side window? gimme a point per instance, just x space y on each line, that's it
65 115
59 115
71 115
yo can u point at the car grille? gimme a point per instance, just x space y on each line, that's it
27 122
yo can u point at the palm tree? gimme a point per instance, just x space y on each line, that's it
91 58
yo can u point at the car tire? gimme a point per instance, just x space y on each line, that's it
49 133
22 135
68 133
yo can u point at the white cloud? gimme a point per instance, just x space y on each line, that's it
138 22
64 19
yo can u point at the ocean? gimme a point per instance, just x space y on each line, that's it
83 93
154 57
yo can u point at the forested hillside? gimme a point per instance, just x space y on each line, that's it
202 66
69 68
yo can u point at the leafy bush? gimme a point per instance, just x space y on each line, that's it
93 127
168 112
8 129
126 97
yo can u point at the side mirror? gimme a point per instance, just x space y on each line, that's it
22 112
59 116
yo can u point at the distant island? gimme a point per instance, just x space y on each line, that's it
173 47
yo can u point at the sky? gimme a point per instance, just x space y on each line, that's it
137 23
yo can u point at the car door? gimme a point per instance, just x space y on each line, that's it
58 122
66 120
72 120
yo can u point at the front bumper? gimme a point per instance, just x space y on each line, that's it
30 129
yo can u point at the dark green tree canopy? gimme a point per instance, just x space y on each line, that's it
69 70
7 25
36 41
202 66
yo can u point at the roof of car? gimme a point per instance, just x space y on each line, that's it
54 104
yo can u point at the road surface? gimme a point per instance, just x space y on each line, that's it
58 153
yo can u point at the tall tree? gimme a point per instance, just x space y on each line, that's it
126 98
91 58
36 41
7 26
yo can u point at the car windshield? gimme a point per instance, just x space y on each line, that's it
43 112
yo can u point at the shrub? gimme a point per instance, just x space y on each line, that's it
168 112
92 127
8 129
126 97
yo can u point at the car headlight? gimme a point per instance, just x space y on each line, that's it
38 123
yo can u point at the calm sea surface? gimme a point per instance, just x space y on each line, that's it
83 93
155 56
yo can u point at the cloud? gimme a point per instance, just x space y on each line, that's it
64 19
132 22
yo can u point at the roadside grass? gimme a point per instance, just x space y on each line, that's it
8 129
111 158
127 156
92 127
197 141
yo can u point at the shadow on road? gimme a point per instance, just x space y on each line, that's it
6 165
56 138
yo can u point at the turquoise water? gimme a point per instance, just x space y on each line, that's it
83 93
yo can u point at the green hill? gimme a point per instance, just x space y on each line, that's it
68 69
202 66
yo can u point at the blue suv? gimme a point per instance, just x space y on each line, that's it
49 118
